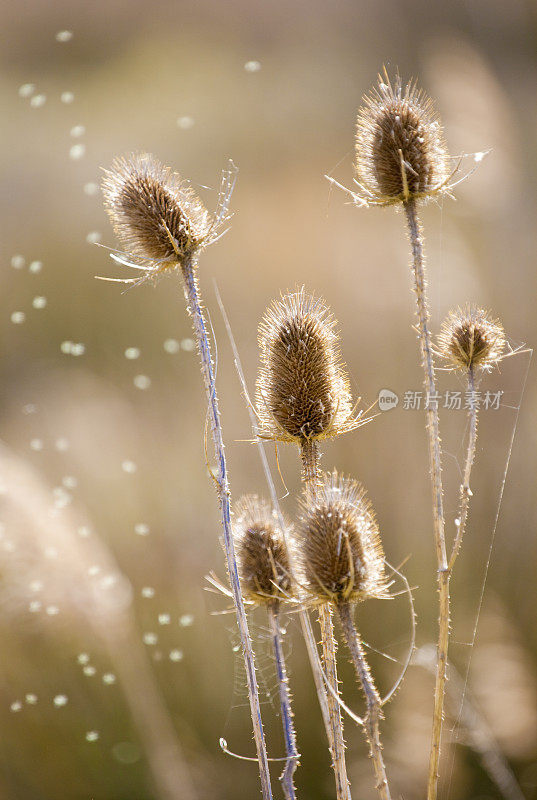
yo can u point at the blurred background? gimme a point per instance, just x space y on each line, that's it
117 679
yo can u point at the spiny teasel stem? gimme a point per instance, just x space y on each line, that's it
200 331
372 697
286 778
465 492
336 740
435 463
310 455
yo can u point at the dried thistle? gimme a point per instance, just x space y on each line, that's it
469 339
157 217
262 556
338 543
400 148
303 391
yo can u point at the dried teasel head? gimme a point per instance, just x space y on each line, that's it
400 149
155 214
469 339
339 551
303 391
262 555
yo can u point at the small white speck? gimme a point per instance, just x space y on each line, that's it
52 611
186 620
479 157
128 466
92 736
36 586
18 262
67 97
70 482
109 678
65 347
78 349
35 606
148 592
164 619
94 570
185 123
61 445
36 445
31 699
252 66
91 189
29 408
142 381
39 302
83 658
132 353
176 655
77 151
60 700
77 131
89 671
26 90
141 529
35 267
188 345
64 36
18 317
93 237
150 639
84 531
38 100
171 346
16 706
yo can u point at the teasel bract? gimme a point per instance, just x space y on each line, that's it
265 572
341 562
303 393
164 227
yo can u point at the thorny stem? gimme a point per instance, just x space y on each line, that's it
435 463
305 621
465 485
310 455
336 741
200 331
372 697
289 734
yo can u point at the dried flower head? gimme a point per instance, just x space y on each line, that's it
158 218
470 339
303 391
400 148
339 551
262 555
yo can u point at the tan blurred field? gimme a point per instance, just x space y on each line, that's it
109 519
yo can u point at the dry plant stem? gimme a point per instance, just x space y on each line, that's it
310 455
372 697
435 463
200 331
337 743
289 734
305 621
465 486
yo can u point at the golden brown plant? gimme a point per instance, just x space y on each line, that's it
400 148
469 339
338 543
262 556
